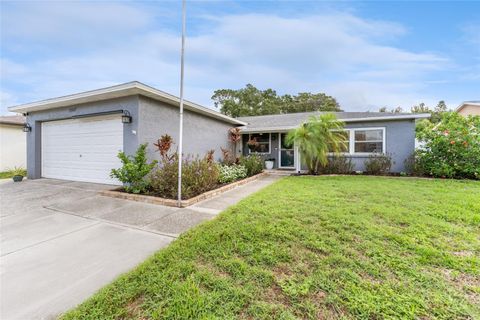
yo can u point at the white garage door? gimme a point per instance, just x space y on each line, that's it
82 149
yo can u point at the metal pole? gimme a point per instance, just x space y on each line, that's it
180 137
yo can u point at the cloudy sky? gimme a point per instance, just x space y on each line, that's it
366 54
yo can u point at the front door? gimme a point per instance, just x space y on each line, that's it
287 153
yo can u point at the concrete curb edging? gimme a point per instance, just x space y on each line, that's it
115 193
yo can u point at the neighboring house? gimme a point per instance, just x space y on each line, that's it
13 145
77 137
469 108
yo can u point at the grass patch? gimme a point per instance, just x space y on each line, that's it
348 247
10 173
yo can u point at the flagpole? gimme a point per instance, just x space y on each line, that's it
180 137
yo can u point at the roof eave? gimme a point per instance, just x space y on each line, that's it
123 90
288 128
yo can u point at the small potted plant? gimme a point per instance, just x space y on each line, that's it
18 174
269 163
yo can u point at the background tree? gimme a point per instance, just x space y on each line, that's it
250 101
316 138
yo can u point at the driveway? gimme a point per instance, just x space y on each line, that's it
61 241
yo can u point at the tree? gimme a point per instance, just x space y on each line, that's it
250 101
451 148
316 138
421 108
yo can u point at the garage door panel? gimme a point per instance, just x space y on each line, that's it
82 149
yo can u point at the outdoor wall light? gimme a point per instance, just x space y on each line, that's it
126 117
26 127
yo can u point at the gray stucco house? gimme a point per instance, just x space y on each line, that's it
77 137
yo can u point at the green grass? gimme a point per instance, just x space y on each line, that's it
316 248
11 173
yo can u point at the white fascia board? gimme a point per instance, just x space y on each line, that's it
122 90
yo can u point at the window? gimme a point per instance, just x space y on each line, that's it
369 141
259 143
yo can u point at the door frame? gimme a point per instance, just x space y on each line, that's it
280 153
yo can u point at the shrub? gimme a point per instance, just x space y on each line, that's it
451 148
337 165
378 164
17 171
253 163
133 171
231 173
198 176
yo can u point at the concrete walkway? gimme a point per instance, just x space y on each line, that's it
60 241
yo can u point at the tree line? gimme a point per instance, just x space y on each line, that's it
251 101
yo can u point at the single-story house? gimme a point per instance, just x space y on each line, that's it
77 137
13 143
469 108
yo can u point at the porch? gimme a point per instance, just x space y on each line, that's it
272 146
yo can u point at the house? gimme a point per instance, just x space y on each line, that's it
13 146
367 133
77 137
469 108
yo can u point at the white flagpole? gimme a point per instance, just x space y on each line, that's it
180 138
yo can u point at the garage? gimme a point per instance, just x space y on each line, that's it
82 149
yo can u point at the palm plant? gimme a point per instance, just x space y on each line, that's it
316 138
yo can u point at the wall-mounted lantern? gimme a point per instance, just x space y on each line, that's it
126 117
26 127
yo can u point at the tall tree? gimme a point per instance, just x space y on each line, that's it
250 101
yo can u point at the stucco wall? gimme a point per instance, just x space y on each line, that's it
130 138
470 110
13 147
200 133
399 143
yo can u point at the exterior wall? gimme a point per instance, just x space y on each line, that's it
470 110
13 147
274 147
399 143
200 133
35 119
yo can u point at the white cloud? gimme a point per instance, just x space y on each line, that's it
336 53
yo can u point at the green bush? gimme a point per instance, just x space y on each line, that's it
198 176
133 171
451 148
378 164
253 163
231 173
337 164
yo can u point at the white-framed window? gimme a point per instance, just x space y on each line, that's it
262 143
364 141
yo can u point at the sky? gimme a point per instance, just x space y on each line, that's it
366 54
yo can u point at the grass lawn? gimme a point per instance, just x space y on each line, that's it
352 247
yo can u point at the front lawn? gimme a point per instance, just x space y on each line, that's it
316 248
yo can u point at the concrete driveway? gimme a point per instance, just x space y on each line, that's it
61 241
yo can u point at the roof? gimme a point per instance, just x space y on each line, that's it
285 122
121 90
12 120
475 103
